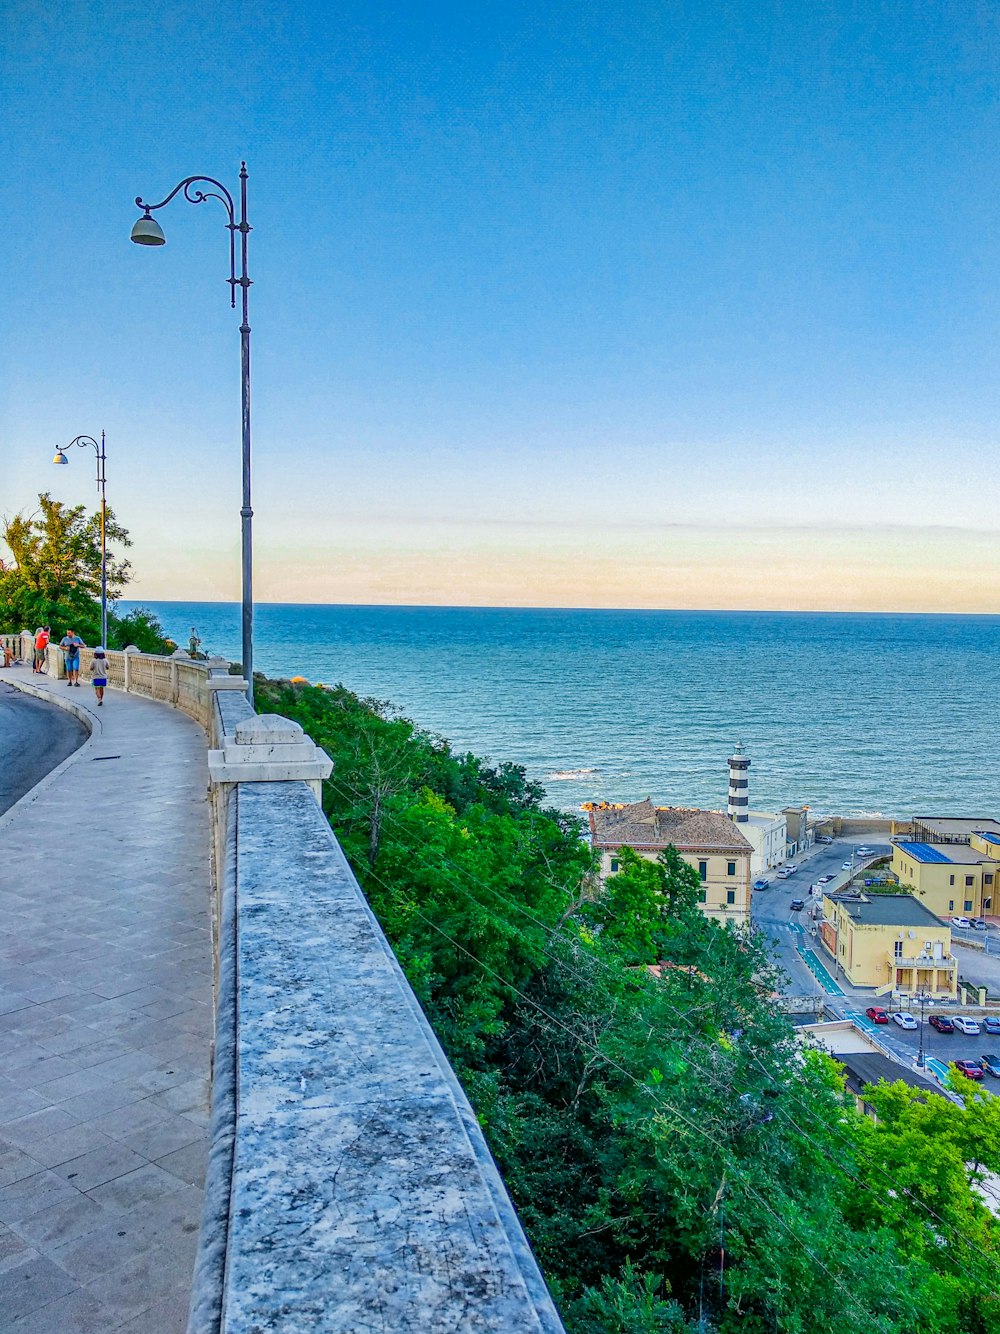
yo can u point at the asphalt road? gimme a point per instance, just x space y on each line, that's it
34 738
771 912
770 908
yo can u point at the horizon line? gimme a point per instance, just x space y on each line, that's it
475 606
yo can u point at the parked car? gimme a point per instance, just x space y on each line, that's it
796 905
785 872
971 1069
864 852
825 879
942 1023
904 1019
970 1027
762 883
846 866
877 1015
963 922
979 924
825 839
991 1065
991 1024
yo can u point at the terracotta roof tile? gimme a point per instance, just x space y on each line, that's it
641 824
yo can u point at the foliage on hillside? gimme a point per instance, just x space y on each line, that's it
53 577
677 1161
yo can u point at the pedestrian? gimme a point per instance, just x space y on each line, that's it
41 644
98 672
71 644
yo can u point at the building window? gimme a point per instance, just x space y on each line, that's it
988 878
614 865
951 905
703 870
730 868
702 895
968 905
951 880
730 895
968 880
897 949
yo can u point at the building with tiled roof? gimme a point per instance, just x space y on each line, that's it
709 841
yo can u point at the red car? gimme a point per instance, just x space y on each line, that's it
876 1015
942 1023
970 1069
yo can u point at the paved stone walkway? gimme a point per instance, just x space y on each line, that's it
105 1026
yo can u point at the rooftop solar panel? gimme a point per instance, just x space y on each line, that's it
924 852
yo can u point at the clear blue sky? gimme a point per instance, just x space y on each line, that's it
552 303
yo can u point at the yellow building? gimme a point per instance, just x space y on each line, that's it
955 878
890 942
708 841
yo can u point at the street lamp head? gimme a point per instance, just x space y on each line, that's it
147 231
60 457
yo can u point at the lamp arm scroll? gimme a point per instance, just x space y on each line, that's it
199 197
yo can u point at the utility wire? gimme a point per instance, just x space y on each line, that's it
684 1016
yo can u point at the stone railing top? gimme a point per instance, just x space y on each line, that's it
260 748
362 1194
265 728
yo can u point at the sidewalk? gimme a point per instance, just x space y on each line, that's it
105 1025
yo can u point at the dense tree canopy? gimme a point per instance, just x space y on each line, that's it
53 576
678 1160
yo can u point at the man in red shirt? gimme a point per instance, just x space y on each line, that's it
41 644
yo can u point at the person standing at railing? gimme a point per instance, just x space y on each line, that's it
98 673
71 644
41 643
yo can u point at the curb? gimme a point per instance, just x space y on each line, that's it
80 711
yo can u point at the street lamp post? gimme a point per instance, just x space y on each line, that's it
147 231
922 998
60 457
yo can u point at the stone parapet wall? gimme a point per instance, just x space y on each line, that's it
349 1184
178 680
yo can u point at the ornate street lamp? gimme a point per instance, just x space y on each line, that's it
147 231
60 457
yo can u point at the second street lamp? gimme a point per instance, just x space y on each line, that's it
60 457
147 231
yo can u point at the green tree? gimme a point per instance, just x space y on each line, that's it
140 627
54 574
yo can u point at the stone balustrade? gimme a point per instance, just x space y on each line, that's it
349 1184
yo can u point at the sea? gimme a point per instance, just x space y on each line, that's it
847 713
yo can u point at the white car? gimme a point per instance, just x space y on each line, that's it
825 839
784 873
864 852
963 1025
846 866
963 922
904 1019
825 879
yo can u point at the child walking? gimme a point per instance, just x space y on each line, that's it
98 672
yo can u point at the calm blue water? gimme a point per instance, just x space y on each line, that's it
873 713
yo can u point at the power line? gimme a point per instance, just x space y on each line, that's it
706 1072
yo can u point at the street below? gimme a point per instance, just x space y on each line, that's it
34 738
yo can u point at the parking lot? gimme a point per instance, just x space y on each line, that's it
791 932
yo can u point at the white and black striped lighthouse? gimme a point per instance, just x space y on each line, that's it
739 796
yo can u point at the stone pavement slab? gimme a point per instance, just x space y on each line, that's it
105 1024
